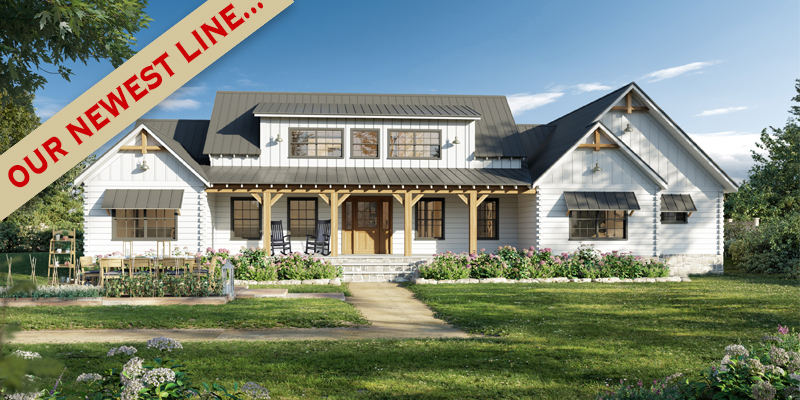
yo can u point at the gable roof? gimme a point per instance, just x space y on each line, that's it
190 133
567 131
234 130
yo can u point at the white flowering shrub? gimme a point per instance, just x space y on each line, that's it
126 350
66 292
770 371
163 344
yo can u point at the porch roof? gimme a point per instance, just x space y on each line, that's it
365 175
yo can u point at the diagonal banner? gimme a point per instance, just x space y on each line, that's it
126 94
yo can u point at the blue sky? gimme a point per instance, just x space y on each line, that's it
723 70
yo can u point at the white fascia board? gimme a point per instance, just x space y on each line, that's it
365 116
626 150
694 150
110 153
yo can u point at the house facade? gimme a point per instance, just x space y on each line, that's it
404 176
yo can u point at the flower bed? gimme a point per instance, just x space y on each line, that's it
161 286
255 264
768 371
63 292
510 263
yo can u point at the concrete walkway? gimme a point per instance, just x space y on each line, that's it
393 311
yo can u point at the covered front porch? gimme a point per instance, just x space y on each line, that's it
368 221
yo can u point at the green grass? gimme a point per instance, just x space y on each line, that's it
555 341
21 267
343 288
238 314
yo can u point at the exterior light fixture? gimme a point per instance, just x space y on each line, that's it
279 138
629 129
456 141
144 166
596 167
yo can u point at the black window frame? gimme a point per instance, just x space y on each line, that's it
145 238
389 144
416 218
291 142
289 215
496 219
260 219
353 143
669 221
574 216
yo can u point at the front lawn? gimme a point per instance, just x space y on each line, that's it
555 341
238 314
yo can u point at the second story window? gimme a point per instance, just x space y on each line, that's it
423 144
315 143
364 143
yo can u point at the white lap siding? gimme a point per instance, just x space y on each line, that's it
527 224
165 173
703 232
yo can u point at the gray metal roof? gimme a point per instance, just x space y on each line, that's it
139 199
368 110
235 130
533 135
173 144
677 203
567 131
190 133
602 201
366 176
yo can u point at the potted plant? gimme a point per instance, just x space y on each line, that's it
58 236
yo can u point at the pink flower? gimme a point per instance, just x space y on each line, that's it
542 262
208 250
783 329
483 250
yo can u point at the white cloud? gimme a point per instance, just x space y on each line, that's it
46 107
179 101
248 82
675 71
719 111
522 102
591 87
730 150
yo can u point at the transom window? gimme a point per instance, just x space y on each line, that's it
430 219
415 144
245 219
488 222
315 143
674 218
302 217
364 143
599 225
132 225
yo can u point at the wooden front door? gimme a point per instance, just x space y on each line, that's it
367 225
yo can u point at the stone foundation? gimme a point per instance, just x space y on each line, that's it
379 268
686 264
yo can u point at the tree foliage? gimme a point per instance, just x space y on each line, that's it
773 188
40 34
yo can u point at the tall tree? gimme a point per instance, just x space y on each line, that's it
773 187
36 35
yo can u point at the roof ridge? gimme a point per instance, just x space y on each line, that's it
590 103
361 94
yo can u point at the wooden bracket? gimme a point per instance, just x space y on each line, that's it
325 198
631 214
481 199
629 102
108 211
144 147
275 199
597 145
629 107
178 211
690 214
568 212
398 197
257 197
416 199
463 198
342 199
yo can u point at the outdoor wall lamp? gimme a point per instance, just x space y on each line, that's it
456 141
596 167
629 129
144 166
279 139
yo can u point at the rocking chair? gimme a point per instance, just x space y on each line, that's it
320 243
278 240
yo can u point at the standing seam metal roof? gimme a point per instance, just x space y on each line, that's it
367 110
235 130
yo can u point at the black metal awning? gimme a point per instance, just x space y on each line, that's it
141 199
677 203
601 201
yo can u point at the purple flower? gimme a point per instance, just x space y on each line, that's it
483 250
783 329
542 262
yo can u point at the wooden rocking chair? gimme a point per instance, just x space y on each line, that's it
320 242
278 240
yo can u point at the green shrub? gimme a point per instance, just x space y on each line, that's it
159 286
773 248
254 264
445 266
300 267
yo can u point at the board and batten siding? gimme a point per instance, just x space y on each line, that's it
276 154
527 222
122 172
456 226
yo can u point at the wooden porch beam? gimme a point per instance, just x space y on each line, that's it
257 197
324 198
398 197
266 208
407 239
473 222
275 199
342 199
334 240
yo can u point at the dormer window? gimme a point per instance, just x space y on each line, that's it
315 143
415 144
